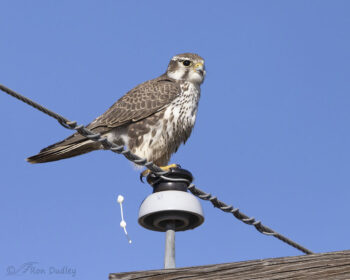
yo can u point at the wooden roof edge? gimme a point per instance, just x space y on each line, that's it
332 265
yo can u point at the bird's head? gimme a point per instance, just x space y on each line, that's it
187 67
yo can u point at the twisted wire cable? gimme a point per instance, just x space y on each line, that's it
155 169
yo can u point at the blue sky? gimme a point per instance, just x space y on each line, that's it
272 133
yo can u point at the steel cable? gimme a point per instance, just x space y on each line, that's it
155 169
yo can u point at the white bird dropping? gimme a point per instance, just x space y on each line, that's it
123 223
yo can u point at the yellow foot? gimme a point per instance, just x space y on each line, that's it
165 168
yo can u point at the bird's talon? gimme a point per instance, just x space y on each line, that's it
141 178
170 166
146 172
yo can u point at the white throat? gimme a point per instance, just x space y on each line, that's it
192 77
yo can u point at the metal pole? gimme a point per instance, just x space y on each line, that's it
169 257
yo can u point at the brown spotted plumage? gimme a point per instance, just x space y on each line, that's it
152 119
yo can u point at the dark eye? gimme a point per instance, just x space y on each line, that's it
186 63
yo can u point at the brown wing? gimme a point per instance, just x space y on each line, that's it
139 103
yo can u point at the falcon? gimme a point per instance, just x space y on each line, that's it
152 120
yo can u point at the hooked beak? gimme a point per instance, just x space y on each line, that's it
199 67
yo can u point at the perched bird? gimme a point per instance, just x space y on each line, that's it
152 119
